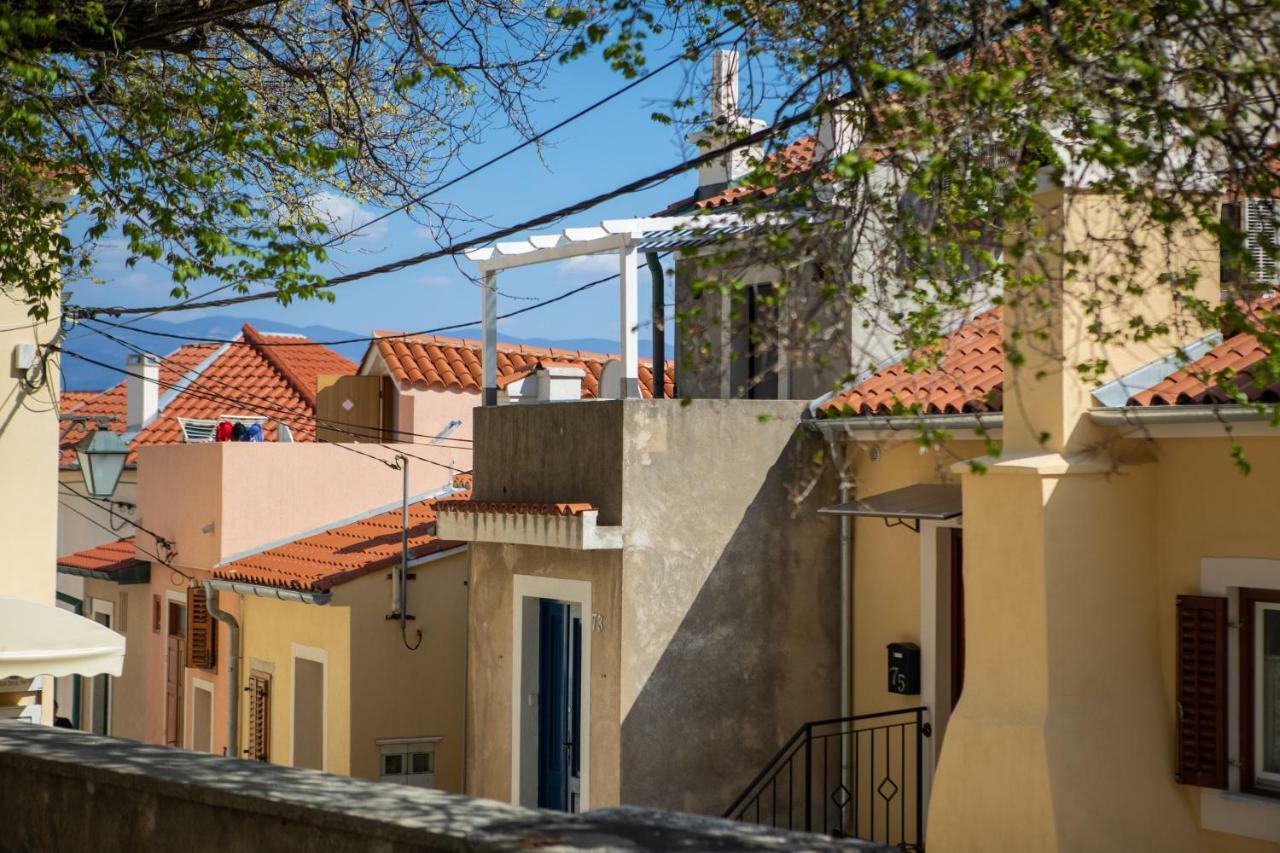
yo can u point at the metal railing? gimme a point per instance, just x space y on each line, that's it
856 777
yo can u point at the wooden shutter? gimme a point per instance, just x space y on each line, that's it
202 631
259 690
1202 691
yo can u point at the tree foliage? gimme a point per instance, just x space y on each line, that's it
214 135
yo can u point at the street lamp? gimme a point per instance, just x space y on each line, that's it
102 455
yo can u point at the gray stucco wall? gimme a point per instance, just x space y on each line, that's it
70 792
551 452
730 597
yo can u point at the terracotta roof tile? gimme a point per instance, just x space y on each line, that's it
514 507
340 554
431 362
275 380
969 377
1198 384
109 557
793 159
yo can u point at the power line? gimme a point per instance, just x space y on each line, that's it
955 49
199 381
533 140
157 537
279 414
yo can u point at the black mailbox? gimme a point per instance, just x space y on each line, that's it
904 668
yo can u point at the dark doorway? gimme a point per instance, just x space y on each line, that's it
957 614
559 692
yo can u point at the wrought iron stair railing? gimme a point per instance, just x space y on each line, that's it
856 777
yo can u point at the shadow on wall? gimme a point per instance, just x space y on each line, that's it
755 657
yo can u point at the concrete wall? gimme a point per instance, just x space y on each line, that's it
76 533
77 793
721 605
271 632
730 607
396 692
552 452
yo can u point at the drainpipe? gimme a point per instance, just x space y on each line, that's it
846 612
466 673
233 667
658 318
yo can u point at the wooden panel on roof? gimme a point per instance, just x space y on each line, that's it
354 409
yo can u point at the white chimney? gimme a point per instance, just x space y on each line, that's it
725 125
835 134
559 384
143 389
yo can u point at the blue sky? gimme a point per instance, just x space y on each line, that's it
616 143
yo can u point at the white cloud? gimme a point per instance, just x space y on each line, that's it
344 213
589 265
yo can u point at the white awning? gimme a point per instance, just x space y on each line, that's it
40 639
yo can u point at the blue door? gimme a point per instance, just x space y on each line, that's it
559 688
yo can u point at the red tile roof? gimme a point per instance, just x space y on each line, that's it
431 362
1198 383
794 159
968 377
340 554
110 557
69 401
249 376
514 507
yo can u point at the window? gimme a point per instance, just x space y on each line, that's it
1260 691
1258 221
408 761
202 630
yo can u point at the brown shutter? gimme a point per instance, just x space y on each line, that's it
202 631
259 689
1202 691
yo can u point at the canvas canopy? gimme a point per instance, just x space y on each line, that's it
40 639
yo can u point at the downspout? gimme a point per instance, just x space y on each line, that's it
233 667
846 613
466 673
658 318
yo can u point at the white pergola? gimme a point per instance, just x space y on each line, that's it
628 238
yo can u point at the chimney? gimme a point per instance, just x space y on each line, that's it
835 134
726 124
143 389
559 384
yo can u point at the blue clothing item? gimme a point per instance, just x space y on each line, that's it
253 432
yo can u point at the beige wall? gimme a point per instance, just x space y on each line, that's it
76 533
270 631
398 692
218 500
489 743
28 458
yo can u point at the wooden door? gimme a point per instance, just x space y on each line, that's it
175 657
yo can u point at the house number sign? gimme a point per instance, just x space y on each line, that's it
597 622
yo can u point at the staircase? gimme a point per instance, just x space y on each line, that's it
847 777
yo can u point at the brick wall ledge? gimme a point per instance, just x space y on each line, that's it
72 792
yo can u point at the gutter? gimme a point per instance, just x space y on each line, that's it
131 575
1198 414
233 667
835 427
261 591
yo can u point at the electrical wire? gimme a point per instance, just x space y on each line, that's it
280 415
281 412
955 49
160 539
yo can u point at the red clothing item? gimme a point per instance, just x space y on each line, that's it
223 431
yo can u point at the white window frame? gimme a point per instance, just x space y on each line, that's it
573 592
189 734
1259 635
1233 811
320 656
935 637
406 746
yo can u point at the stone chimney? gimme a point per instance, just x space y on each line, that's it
143 389
726 124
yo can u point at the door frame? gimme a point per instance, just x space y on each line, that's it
106 608
935 637
571 592
320 656
189 736
180 598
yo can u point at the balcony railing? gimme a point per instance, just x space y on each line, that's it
847 777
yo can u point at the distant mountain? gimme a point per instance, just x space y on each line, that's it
81 375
